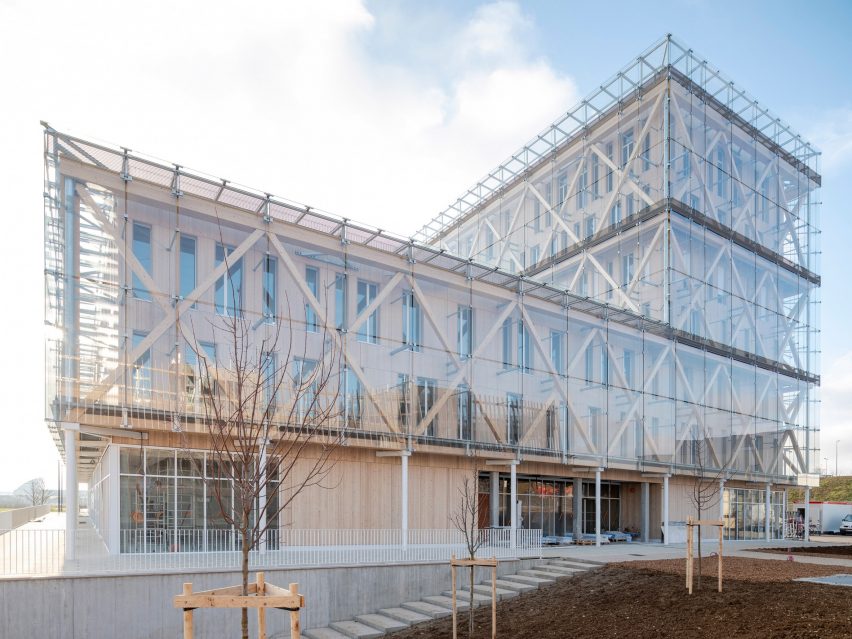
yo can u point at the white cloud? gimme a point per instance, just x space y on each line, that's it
832 134
836 414
284 96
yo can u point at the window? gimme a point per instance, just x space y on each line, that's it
305 387
369 330
404 401
507 343
352 399
628 367
465 331
631 204
141 370
604 365
626 148
536 222
187 266
269 376
426 395
646 152
514 405
550 427
596 176
534 256
312 280
465 412
524 349
609 155
229 287
628 268
590 363
142 252
199 373
340 299
609 270
412 321
583 185
562 181
590 226
557 356
615 213
489 242
548 197
270 288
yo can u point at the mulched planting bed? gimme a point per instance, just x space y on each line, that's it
835 552
649 599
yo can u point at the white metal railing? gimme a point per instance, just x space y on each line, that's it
42 552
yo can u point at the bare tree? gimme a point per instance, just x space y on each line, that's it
271 412
35 492
466 519
706 485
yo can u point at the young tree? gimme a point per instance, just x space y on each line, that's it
466 519
35 492
271 410
706 484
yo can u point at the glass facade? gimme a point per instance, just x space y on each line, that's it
636 289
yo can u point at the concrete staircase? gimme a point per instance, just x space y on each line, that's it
390 620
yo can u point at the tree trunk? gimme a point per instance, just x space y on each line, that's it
470 610
245 569
699 549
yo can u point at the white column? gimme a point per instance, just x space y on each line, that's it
113 508
578 508
261 498
807 531
513 534
494 502
71 490
403 524
722 499
784 517
768 522
666 510
598 507
646 510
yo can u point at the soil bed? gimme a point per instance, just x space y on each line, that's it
836 552
649 599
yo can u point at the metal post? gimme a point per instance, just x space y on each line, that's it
768 523
404 509
807 530
71 490
666 510
646 510
494 503
598 507
513 531
578 509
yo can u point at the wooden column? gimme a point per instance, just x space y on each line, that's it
187 614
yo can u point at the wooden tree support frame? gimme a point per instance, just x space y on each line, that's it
261 596
690 524
484 563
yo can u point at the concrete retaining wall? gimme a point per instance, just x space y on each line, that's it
140 606
10 519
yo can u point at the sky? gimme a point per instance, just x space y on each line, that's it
379 112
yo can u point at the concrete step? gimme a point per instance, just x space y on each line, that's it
502 593
381 622
517 586
564 570
404 615
572 564
433 609
322 633
447 602
531 581
356 630
463 595
541 574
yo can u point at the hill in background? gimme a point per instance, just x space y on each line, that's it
830 489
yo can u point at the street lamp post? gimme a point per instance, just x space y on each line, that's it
825 459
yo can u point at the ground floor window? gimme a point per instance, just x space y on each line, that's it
610 507
544 503
744 513
176 501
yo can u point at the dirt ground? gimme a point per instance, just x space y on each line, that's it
839 552
648 600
